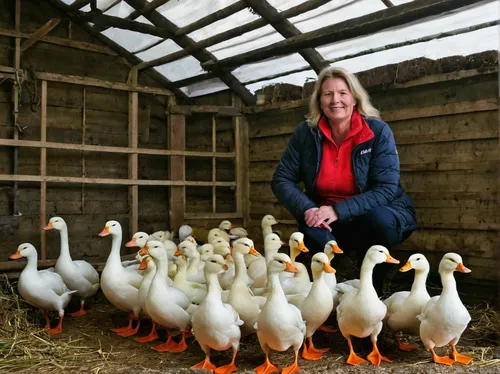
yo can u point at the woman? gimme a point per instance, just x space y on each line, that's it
347 159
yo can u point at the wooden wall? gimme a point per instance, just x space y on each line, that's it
446 128
85 208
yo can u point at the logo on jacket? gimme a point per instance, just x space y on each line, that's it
364 151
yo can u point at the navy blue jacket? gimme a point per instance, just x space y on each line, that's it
375 165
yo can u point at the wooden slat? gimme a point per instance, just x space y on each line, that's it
43 170
117 181
133 158
214 164
93 82
187 110
242 163
217 216
177 167
110 149
40 33
84 125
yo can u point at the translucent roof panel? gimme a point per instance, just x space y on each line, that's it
162 49
122 9
205 87
130 40
251 40
184 68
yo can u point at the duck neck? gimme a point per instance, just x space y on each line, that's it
318 280
418 285
193 264
330 255
266 230
276 291
269 253
365 277
32 262
240 270
63 234
214 289
294 252
162 267
181 272
449 285
114 255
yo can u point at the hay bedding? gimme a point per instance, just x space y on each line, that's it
87 345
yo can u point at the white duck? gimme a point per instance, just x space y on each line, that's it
299 282
258 269
206 251
233 233
240 297
360 312
279 325
267 225
196 292
43 289
403 307
166 305
216 324
318 304
194 271
149 267
184 232
119 285
77 275
444 317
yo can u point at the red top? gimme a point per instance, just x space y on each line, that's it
336 179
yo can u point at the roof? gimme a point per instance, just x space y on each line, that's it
205 46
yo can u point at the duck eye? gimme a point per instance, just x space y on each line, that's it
418 259
381 251
25 247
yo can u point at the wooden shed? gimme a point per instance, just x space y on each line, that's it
91 130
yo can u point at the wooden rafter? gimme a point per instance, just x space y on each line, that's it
201 55
240 30
40 33
364 25
388 3
78 4
121 51
288 30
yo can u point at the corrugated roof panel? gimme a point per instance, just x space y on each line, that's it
184 68
121 9
162 49
204 88
130 40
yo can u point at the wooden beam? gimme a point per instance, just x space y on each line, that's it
205 216
133 158
211 18
242 164
40 33
116 181
214 164
201 55
288 30
94 82
78 4
43 169
177 167
240 30
364 25
110 149
193 79
221 111
388 3
15 102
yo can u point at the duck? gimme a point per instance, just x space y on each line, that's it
77 275
444 317
299 282
318 304
206 251
184 232
403 307
257 270
42 288
166 305
149 268
162 235
196 292
194 271
119 285
233 233
279 325
360 312
267 225
216 325
240 296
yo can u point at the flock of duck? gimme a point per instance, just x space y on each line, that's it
225 289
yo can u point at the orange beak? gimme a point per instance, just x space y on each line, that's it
144 251
143 265
254 252
131 243
461 268
48 227
406 267
336 249
105 232
328 268
290 268
391 259
178 252
15 256
276 222
302 247
225 267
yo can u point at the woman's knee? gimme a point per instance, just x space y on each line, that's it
384 225
315 238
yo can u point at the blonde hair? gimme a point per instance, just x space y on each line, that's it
362 98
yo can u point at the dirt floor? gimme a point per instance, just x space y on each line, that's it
88 345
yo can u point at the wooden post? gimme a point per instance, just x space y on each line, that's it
15 97
241 164
43 171
214 164
133 112
84 121
177 166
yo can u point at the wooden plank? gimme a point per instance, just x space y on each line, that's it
87 81
84 124
112 149
217 216
133 158
40 33
355 27
222 111
63 42
117 181
177 167
43 170
15 99
214 164
242 163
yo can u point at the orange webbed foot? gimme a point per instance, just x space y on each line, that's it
55 330
463 359
444 360
328 329
266 368
294 368
354 359
205 365
226 369
165 347
376 358
153 335
80 313
131 332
